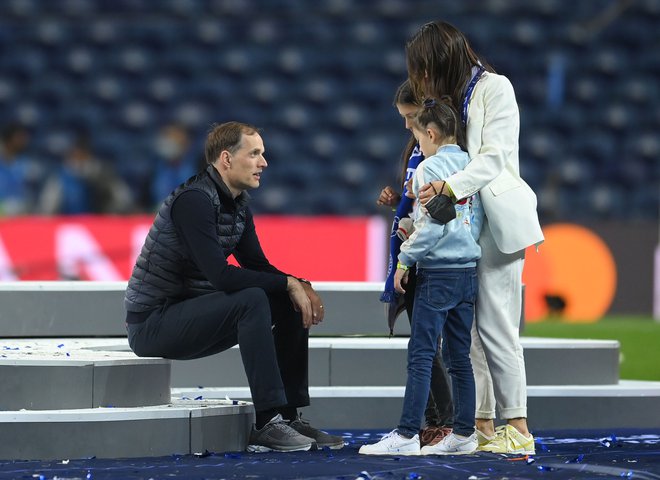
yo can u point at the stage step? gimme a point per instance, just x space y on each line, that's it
67 396
96 309
182 427
549 407
87 373
51 374
382 362
77 398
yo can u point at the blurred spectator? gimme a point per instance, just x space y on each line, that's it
20 175
84 184
177 161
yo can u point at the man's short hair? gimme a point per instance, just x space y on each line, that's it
226 136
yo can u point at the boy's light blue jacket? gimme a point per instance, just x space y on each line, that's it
453 245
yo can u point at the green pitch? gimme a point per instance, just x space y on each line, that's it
639 338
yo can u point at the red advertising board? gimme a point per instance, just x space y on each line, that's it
105 247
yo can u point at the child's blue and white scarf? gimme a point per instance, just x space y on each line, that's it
403 209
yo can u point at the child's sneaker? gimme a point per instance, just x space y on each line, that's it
509 440
439 434
452 444
427 434
392 444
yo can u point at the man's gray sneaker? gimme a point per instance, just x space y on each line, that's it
277 436
323 439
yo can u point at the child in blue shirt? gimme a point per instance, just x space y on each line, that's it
446 258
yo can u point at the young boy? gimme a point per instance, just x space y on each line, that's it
446 258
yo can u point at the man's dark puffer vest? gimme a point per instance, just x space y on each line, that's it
164 270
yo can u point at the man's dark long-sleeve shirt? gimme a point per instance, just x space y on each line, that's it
194 218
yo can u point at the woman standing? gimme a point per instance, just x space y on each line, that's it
441 62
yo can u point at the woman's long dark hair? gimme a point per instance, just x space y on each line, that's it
405 96
440 61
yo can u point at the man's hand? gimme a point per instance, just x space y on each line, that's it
388 197
318 312
300 300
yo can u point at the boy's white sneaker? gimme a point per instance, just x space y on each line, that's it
452 444
392 444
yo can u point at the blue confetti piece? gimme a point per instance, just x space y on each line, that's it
577 459
68 354
608 441
413 476
60 345
198 398
530 460
543 468
627 474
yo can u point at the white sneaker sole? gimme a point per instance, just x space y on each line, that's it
389 453
520 451
462 452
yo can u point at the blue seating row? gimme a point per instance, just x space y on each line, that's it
318 77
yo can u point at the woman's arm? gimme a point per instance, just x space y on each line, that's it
495 144
492 146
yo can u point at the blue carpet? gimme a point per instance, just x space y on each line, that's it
629 454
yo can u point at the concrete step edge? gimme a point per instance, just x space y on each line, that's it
625 388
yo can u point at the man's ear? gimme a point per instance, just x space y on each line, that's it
225 158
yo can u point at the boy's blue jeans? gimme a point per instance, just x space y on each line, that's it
444 298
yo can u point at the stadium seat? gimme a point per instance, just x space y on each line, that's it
319 78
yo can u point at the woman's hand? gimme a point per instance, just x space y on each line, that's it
429 190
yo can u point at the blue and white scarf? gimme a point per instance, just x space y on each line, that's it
403 209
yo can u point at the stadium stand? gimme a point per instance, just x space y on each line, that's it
318 77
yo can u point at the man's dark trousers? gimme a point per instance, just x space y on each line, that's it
269 332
